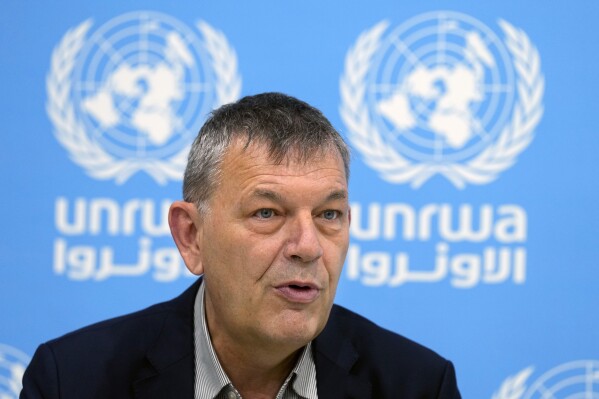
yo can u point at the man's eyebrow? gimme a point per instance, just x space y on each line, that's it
337 195
268 194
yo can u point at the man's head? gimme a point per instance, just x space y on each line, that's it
266 221
287 127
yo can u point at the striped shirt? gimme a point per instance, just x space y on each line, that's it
211 381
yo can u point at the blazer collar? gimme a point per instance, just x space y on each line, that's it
169 368
335 356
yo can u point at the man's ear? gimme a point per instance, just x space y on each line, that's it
185 222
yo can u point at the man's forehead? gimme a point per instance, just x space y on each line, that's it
260 152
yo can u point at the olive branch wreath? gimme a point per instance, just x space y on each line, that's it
12 367
514 386
87 153
485 167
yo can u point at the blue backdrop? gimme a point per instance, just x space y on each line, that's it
474 177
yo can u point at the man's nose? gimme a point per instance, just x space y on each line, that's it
304 240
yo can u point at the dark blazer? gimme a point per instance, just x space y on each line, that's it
150 354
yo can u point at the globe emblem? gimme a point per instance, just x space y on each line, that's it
441 87
12 366
142 85
132 95
579 379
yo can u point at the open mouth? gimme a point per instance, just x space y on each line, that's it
299 287
298 292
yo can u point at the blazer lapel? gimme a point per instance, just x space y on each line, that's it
169 371
334 356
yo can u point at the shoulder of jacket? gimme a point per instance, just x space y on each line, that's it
378 343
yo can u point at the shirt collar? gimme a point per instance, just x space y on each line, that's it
210 378
304 383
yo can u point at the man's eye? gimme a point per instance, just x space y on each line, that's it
330 214
265 213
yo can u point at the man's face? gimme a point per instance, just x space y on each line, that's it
272 247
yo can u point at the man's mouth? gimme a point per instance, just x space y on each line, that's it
298 292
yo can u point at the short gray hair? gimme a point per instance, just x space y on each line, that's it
283 124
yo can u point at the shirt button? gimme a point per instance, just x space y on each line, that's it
231 395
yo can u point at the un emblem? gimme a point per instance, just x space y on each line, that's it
12 367
441 94
578 379
129 96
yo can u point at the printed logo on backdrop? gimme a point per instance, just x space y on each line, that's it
441 95
129 95
578 379
125 97
13 363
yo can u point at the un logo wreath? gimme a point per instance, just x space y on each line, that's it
482 169
71 134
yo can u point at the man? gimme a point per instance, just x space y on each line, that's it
265 222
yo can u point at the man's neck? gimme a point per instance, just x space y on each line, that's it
256 366
254 376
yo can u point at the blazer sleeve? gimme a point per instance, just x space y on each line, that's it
449 386
40 380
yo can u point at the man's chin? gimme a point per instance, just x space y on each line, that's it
298 331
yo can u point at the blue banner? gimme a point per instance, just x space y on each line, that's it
474 183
